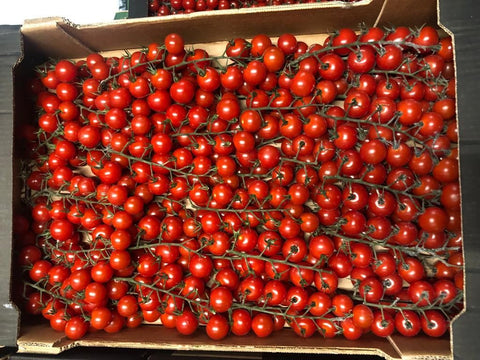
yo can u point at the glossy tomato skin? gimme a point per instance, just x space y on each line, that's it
186 323
434 323
362 316
221 299
371 289
341 264
76 328
331 67
241 322
383 324
304 327
407 323
411 269
217 327
350 330
262 325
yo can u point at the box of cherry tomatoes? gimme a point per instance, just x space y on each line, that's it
184 7
280 180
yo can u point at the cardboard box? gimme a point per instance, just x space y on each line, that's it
57 38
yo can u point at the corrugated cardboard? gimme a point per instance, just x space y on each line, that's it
42 339
56 37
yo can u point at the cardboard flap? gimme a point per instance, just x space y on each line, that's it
423 347
42 339
59 37
49 37
400 12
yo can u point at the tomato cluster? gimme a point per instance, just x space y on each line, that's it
163 8
280 183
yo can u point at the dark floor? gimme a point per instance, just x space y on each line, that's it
124 354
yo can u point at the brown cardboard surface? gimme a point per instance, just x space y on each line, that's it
413 13
56 37
42 339
59 38
48 37
423 348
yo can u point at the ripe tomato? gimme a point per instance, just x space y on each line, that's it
174 43
340 263
433 219
302 84
241 322
76 328
66 71
361 60
421 293
303 327
383 324
350 330
186 323
434 323
426 38
259 44
200 266
287 43
221 299
217 327
411 269
273 58
371 289
331 67
407 323
262 325
320 303
357 103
